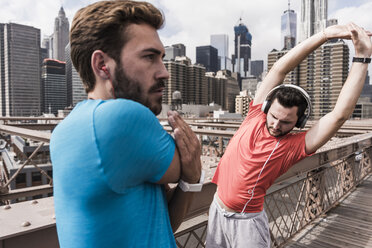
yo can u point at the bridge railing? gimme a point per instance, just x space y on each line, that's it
308 190
293 207
6 178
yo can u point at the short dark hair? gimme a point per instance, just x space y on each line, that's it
103 26
290 97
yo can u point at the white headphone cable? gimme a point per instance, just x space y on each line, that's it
251 191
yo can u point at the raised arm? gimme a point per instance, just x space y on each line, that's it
172 175
189 150
294 57
328 125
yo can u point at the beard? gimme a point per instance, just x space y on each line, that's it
279 134
129 88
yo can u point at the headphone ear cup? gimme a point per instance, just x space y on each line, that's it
265 106
301 122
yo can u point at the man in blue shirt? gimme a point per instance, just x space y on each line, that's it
111 157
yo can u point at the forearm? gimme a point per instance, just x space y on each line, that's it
351 91
318 135
190 152
178 205
328 125
353 86
294 57
287 63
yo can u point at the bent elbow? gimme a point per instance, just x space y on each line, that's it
340 119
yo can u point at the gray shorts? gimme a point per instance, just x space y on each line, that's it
229 229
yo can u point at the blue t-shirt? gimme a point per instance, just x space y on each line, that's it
107 156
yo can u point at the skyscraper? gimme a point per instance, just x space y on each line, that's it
19 70
2 71
188 79
288 28
53 86
367 89
231 89
257 68
197 87
171 52
177 80
60 35
217 90
207 56
292 77
242 103
242 56
46 48
221 42
75 89
313 17
330 73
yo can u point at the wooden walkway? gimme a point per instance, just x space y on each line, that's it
347 225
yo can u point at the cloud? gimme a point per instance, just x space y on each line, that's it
360 15
39 14
191 22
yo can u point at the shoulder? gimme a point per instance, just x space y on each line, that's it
254 112
121 112
79 116
125 117
123 108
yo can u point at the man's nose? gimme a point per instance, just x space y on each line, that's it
276 124
163 72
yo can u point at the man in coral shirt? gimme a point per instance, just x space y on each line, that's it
263 148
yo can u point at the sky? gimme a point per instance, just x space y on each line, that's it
191 22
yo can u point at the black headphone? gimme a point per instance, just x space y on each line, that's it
302 119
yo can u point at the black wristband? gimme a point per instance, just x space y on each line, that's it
362 60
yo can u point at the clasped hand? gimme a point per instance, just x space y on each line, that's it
360 37
188 147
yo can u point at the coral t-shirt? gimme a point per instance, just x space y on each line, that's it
245 156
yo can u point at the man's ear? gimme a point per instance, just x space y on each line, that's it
100 65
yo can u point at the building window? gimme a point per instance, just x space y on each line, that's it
20 181
36 178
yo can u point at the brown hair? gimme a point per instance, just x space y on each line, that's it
102 26
290 97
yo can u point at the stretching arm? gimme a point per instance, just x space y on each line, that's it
294 57
328 125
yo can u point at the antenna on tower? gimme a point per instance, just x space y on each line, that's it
239 21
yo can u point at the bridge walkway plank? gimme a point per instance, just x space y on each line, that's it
347 225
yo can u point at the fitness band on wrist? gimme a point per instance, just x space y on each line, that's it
195 187
362 60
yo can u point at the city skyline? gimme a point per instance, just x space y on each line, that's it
208 17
